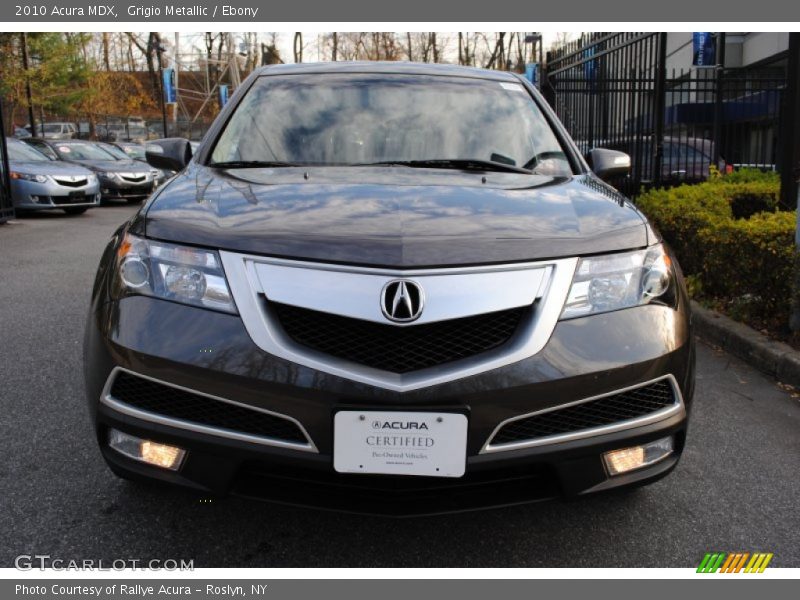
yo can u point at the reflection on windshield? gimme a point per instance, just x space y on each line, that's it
355 119
21 151
83 152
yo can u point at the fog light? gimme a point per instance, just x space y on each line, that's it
636 457
146 451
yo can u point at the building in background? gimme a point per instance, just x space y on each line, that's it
678 103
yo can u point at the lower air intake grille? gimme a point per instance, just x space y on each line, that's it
397 349
174 403
587 415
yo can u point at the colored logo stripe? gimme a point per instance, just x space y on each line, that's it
734 562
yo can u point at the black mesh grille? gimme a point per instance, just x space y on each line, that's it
179 404
595 413
393 348
68 183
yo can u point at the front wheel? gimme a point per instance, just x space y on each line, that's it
76 210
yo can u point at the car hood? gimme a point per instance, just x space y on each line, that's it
47 167
394 216
115 166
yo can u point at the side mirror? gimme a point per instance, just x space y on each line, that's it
171 154
608 164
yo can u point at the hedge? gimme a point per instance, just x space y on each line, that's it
733 240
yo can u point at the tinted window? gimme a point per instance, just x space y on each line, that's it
351 119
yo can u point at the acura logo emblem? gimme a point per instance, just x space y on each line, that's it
402 300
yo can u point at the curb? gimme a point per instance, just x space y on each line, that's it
776 359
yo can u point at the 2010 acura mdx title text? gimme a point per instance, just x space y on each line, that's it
389 288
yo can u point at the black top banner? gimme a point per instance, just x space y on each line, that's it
441 11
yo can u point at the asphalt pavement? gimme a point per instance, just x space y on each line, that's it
736 489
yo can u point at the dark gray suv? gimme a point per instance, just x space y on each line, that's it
389 288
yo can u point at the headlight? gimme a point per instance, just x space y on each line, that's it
28 177
179 273
615 281
106 174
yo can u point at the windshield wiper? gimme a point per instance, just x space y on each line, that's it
450 163
252 164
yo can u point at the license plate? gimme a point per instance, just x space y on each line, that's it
400 443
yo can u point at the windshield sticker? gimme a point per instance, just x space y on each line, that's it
64 149
514 87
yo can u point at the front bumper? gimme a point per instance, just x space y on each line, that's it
212 353
32 195
120 189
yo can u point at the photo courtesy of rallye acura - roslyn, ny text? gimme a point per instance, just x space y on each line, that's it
389 288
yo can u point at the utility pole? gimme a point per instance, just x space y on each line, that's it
176 64
28 92
159 49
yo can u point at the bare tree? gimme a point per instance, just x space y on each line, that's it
106 42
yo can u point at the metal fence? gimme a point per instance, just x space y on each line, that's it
613 90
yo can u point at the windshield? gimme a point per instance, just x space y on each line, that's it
361 119
82 152
114 151
52 128
134 151
21 151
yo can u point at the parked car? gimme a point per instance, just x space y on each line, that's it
38 183
132 151
136 133
21 132
119 179
389 288
58 130
686 159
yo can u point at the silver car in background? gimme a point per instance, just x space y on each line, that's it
38 183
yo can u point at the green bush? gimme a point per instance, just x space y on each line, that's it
732 240
748 264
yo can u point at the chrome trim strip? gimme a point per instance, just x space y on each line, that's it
112 402
659 415
449 293
266 333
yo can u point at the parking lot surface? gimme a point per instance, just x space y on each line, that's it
736 489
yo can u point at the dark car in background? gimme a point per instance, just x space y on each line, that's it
685 159
389 288
121 179
132 151
39 183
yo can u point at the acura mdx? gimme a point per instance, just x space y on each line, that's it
389 288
